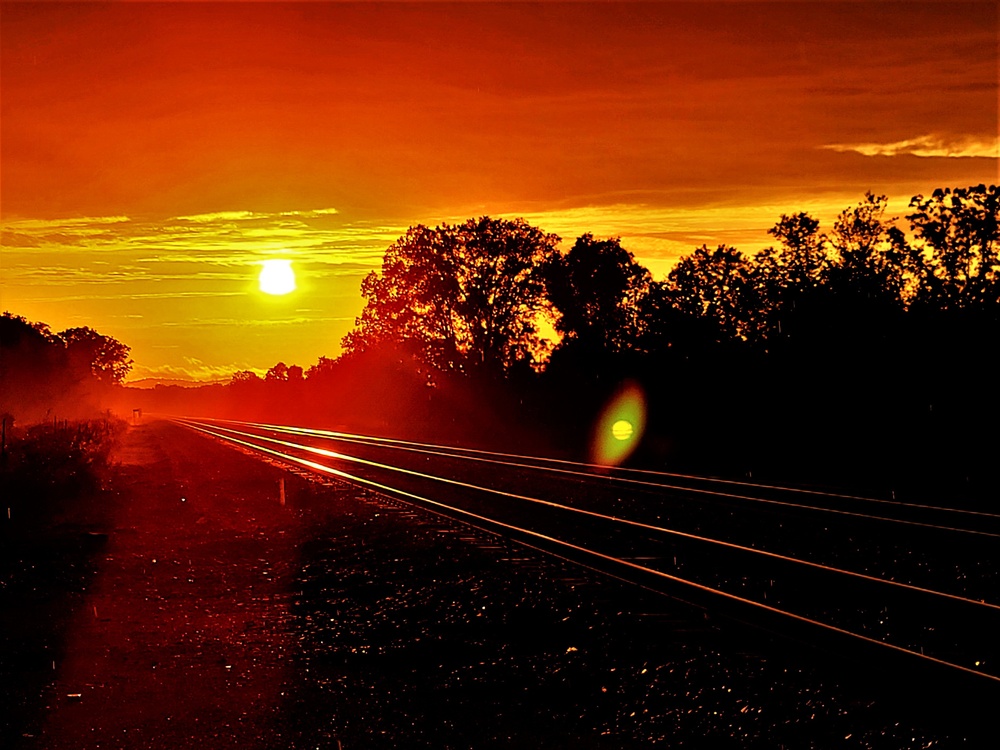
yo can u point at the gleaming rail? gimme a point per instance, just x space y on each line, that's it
864 571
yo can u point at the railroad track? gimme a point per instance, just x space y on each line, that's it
915 587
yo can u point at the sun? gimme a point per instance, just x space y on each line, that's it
277 277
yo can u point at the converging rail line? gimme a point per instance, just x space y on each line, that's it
915 582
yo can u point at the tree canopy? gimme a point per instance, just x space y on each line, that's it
714 285
596 288
41 370
849 343
105 357
468 297
959 258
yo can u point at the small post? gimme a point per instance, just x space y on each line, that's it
281 490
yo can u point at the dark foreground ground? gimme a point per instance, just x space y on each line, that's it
183 606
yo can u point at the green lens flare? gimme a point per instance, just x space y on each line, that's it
619 429
622 430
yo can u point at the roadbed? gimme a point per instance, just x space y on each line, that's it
206 599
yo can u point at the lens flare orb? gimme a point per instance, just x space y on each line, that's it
276 277
619 428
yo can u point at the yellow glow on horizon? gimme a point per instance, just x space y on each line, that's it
277 277
127 276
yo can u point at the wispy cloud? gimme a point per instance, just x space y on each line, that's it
951 147
79 221
231 216
215 254
126 296
225 246
211 218
255 323
311 214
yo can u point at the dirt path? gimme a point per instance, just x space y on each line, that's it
182 638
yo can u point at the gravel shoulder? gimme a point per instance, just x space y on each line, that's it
211 615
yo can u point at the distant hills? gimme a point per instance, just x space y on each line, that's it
147 383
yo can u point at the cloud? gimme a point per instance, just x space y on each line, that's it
230 216
16 239
950 147
194 371
311 214
80 221
132 297
220 246
211 218
236 323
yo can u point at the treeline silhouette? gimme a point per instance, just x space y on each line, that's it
46 375
859 355
863 354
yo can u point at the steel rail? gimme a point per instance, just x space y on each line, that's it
457 451
639 482
489 522
616 519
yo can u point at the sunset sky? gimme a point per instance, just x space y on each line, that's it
154 155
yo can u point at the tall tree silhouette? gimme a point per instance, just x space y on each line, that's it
958 229
42 373
785 278
868 261
102 356
468 296
714 285
802 258
596 288
34 370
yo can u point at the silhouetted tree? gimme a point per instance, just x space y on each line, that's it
784 279
468 296
324 367
43 373
245 377
960 247
802 258
867 261
16 332
714 285
666 332
278 373
596 288
104 357
33 363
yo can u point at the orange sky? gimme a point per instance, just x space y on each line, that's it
153 155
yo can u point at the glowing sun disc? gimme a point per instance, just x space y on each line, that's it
276 277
